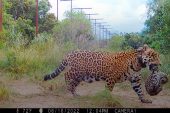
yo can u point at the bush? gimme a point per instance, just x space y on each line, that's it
10 60
115 43
132 40
73 29
165 59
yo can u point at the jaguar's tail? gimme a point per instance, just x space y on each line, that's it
57 71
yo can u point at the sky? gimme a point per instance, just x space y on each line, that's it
122 15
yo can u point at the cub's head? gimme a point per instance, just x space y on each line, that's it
149 58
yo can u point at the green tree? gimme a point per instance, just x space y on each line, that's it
44 7
26 9
132 40
157 31
19 20
22 8
48 24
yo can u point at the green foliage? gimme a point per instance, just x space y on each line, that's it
21 30
165 60
46 20
132 40
41 56
25 9
25 27
157 42
9 61
48 23
12 65
44 7
21 8
19 24
115 43
157 31
19 21
2 39
158 21
125 42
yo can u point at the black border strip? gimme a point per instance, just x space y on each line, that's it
84 110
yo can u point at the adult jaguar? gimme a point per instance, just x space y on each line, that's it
110 67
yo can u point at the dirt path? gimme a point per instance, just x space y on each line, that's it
30 95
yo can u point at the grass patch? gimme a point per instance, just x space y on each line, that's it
102 99
167 85
124 86
4 92
165 67
144 74
56 86
115 44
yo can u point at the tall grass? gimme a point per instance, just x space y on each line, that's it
165 67
165 59
39 58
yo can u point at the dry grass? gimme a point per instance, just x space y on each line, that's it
4 92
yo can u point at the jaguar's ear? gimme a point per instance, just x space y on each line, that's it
145 47
142 49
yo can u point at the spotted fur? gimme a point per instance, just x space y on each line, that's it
154 82
109 67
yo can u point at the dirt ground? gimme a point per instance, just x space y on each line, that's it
29 94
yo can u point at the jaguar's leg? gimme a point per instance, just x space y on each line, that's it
72 87
109 84
136 85
71 83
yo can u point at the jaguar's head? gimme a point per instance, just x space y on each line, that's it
149 58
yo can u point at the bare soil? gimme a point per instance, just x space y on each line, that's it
29 94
